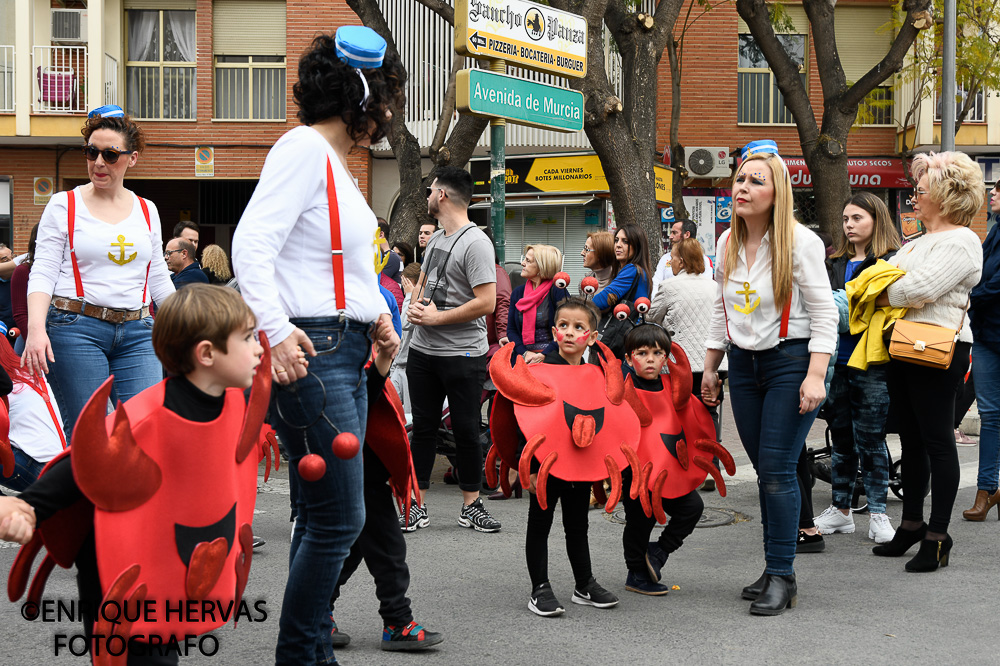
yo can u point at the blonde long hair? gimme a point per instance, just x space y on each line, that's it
781 229
214 258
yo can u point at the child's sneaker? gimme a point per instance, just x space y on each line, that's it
833 520
408 638
879 528
594 595
338 639
655 559
418 519
639 583
543 602
478 518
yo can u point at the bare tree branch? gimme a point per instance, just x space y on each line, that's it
448 110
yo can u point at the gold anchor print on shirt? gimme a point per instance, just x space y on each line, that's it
121 245
746 293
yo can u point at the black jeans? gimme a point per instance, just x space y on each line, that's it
460 379
575 500
382 546
804 474
922 401
684 512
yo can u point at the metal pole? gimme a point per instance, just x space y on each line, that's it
948 77
498 173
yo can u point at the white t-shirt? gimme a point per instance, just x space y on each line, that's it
282 246
113 258
757 322
31 426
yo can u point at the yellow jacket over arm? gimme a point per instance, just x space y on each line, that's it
867 318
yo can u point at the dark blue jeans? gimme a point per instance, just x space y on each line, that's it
764 389
858 408
329 512
986 357
26 471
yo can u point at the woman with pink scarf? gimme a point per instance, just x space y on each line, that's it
533 305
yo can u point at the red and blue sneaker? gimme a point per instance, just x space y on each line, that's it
338 638
409 637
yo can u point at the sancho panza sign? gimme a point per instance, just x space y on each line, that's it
522 33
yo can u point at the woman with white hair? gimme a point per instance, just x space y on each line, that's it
942 267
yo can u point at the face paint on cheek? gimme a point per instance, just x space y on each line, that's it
560 336
582 340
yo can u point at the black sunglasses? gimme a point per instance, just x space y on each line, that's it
430 190
110 155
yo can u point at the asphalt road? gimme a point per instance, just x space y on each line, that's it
853 607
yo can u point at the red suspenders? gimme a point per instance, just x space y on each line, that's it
72 250
44 393
336 245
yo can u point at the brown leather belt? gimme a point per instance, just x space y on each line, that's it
110 315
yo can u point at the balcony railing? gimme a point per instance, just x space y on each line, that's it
110 80
6 79
60 79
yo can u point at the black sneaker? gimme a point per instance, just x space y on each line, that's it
257 542
338 639
478 518
655 559
418 519
408 638
594 595
543 602
636 582
809 543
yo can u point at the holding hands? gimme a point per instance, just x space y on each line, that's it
17 520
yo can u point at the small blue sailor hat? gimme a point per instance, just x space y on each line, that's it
762 146
360 46
107 111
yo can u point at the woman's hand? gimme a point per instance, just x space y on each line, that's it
710 387
811 393
531 357
288 357
37 350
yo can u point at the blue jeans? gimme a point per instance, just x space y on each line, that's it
330 512
88 350
858 407
26 471
764 389
986 359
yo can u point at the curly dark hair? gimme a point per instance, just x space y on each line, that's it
328 87
124 125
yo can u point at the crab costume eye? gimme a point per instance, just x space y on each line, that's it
622 311
642 305
561 280
589 285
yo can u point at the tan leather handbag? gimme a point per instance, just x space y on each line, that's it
922 344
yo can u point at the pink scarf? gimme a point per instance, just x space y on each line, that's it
528 305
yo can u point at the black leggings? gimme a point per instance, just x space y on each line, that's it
575 500
923 403
684 511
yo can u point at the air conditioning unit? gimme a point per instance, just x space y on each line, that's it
69 26
707 162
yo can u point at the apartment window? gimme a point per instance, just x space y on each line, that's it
160 80
876 107
758 97
248 40
863 39
977 113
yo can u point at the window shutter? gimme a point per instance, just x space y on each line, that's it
248 27
860 41
795 12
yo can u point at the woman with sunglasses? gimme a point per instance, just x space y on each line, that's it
304 253
97 266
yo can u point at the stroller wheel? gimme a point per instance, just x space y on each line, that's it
896 480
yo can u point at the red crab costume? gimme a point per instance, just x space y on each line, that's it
385 434
169 526
678 439
577 423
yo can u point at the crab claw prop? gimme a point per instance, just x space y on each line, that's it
642 305
260 397
516 383
105 628
622 311
561 280
269 450
6 452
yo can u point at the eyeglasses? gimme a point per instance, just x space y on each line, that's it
588 249
917 192
110 155
430 190
166 255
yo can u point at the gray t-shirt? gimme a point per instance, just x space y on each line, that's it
466 258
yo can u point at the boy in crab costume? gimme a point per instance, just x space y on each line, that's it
154 503
575 439
675 452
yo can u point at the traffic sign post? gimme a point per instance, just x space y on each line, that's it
498 178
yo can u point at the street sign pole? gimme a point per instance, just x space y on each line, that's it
498 174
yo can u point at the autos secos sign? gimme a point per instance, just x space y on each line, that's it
522 33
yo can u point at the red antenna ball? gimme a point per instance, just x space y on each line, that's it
622 311
561 279
312 467
642 305
589 285
345 445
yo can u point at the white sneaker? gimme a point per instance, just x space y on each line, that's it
879 528
832 521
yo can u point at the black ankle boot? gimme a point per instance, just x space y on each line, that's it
752 591
779 593
901 542
931 555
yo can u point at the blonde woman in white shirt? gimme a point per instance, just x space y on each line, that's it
942 267
98 262
775 314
